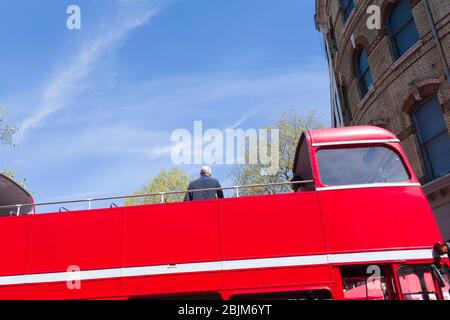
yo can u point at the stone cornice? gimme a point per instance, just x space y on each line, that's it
439 185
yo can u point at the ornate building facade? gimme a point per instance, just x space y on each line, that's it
395 75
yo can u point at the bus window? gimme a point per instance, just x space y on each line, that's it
287 295
302 167
367 283
445 271
352 166
417 283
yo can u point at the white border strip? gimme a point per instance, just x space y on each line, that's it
275 262
172 269
379 256
370 185
342 143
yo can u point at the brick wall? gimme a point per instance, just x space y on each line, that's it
395 81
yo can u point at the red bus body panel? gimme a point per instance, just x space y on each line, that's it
401 219
227 245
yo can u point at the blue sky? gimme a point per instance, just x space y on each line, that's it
96 107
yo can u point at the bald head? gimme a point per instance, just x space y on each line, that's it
205 171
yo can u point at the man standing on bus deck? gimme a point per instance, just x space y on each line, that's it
204 182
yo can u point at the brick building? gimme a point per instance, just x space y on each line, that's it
395 75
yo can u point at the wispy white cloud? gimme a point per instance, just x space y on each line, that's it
97 129
242 120
221 96
60 91
163 105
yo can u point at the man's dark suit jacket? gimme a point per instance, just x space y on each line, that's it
204 182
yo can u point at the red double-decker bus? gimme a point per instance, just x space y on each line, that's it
358 226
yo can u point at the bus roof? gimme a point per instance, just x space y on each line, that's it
12 193
350 134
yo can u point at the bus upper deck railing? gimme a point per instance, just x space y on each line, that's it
31 207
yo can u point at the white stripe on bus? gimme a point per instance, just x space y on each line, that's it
363 257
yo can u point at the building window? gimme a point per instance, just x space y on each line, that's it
402 28
337 110
347 7
433 138
363 73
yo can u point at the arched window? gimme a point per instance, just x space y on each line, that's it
363 73
347 7
433 138
402 28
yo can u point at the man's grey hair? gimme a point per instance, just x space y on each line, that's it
205 171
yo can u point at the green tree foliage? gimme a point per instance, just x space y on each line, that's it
6 131
291 126
6 139
174 179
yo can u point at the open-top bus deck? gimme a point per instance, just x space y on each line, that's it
358 226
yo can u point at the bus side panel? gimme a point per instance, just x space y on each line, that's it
173 285
15 239
171 234
268 227
278 277
90 240
377 218
89 289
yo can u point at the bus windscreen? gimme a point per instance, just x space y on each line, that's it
360 165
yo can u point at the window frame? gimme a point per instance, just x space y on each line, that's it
303 149
437 288
445 271
361 74
426 160
387 272
359 146
345 14
396 54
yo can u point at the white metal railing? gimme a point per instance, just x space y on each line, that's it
18 208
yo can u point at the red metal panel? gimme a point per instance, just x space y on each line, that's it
171 234
96 289
172 284
277 277
271 226
350 134
377 218
15 239
88 239
175 233
15 292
